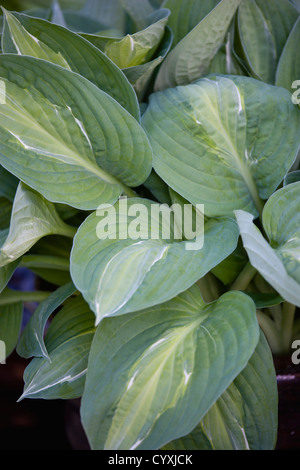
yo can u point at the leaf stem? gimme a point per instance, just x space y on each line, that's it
288 317
271 332
276 312
209 288
10 296
296 327
68 231
128 191
244 278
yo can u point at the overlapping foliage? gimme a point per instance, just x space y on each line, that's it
161 102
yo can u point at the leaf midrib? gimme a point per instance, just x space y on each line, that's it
243 168
75 158
156 376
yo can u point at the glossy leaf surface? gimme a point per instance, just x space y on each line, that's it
245 416
71 153
223 141
174 361
121 273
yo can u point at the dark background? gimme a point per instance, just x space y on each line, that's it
50 425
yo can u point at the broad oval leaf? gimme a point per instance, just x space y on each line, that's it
172 363
33 217
68 341
264 27
38 38
119 273
277 262
66 138
192 56
223 141
245 416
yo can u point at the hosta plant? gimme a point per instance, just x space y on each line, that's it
112 115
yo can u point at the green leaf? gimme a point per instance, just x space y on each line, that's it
54 245
43 13
91 142
118 272
8 184
263 28
16 39
7 271
192 56
53 276
277 262
57 15
296 3
33 217
32 340
185 15
137 48
38 38
68 341
111 14
281 221
225 61
228 270
53 269
138 10
223 141
245 416
10 325
78 22
265 300
158 188
5 213
292 177
141 76
67 212
288 70
12 296
172 364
